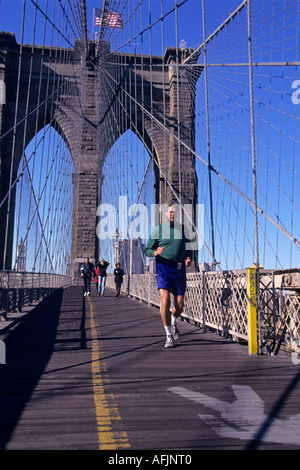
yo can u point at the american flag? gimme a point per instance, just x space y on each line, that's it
111 19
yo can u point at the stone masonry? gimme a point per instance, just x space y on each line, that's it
81 122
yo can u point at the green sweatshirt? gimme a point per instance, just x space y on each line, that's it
172 237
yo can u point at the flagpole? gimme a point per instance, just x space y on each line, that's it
93 24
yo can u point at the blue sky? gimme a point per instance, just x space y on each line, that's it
277 116
190 18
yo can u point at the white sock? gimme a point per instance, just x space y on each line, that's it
173 320
168 330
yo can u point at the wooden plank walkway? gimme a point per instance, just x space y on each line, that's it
93 373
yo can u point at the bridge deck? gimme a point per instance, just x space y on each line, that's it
93 373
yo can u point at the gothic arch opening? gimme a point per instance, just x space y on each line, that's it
127 194
43 206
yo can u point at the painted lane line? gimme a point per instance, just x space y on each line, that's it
107 413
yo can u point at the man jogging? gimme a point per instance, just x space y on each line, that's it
167 244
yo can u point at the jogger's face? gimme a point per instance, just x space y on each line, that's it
170 214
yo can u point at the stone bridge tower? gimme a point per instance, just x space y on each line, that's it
78 117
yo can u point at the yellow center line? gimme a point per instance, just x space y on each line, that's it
107 412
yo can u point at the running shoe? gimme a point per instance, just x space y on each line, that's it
176 334
169 342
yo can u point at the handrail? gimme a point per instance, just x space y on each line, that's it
18 289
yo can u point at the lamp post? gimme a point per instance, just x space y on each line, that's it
117 240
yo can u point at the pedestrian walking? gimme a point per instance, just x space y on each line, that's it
86 272
96 278
167 244
102 265
118 273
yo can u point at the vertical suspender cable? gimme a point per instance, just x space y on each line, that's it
83 13
252 135
208 135
178 112
164 100
14 140
253 165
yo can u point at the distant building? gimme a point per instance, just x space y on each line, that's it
20 264
151 266
68 264
130 255
206 266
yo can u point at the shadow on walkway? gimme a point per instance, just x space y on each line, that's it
28 349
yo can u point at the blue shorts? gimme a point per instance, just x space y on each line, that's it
171 276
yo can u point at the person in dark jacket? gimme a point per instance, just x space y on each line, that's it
102 265
86 272
118 273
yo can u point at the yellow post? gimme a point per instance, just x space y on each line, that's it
252 315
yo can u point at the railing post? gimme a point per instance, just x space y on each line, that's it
21 294
2 353
203 301
128 285
252 313
149 289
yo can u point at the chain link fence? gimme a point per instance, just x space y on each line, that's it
219 302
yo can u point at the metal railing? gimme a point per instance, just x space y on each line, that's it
18 289
220 301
